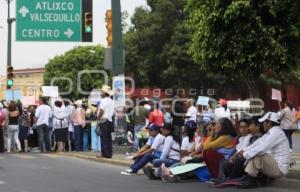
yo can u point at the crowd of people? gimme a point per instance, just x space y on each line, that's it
57 125
247 151
166 135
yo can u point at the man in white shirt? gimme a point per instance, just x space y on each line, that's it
105 114
42 115
222 111
268 155
191 114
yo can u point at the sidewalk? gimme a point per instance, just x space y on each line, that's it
118 159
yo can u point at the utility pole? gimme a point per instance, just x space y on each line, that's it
9 22
117 42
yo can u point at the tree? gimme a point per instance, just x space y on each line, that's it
69 65
157 44
244 39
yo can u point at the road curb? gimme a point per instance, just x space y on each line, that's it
99 159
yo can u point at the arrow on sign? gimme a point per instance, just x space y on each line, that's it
69 33
24 11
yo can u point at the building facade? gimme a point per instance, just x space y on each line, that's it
29 81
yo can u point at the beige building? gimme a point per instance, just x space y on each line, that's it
28 81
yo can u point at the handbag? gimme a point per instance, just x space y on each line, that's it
98 129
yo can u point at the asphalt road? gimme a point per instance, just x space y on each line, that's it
296 142
56 173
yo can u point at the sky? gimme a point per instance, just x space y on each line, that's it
37 54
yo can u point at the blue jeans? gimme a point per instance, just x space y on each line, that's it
167 162
78 140
142 161
137 128
85 141
43 135
96 145
50 133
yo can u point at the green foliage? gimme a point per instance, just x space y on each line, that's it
157 44
245 38
69 65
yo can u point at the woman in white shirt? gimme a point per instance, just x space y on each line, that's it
60 125
287 116
171 150
188 142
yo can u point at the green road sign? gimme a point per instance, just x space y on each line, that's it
49 20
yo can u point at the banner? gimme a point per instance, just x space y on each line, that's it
119 91
12 95
202 100
50 91
276 95
28 100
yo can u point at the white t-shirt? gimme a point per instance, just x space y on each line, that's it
191 114
186 145
158 143
43 113
243 143
107 105
221 113
69 110
287 117
171 149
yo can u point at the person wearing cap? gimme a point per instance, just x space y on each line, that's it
104 116
269 155
156 116
152 150
222 111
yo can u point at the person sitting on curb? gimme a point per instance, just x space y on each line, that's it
234 167
268 155
170 153
188 142
204 130
220 146
152 150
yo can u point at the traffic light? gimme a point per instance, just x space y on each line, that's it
10 76
108 19
88 22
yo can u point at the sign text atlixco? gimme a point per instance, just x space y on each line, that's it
49 20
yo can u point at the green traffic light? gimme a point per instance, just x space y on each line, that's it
10 82
88 29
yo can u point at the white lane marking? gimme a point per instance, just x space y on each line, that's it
54 156
2 182
22 156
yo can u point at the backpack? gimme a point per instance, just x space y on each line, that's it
2 116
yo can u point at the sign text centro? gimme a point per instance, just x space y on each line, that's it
44 20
